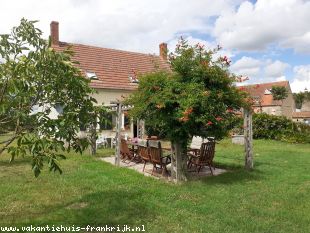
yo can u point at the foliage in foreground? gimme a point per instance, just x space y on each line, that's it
34 80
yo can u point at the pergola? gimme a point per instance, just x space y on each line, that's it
119 108
248 134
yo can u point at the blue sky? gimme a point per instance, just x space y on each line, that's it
267 40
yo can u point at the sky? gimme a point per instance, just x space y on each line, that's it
266 40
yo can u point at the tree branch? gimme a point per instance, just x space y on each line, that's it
7 143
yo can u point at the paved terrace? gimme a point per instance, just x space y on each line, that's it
157 174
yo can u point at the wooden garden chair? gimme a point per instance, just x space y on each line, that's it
143 152
204 157
157 158
195 145
126 153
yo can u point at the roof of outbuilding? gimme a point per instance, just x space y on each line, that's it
301 115
259 91
113 67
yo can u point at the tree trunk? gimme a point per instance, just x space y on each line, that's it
248 139
178 161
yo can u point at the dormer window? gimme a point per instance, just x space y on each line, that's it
267 92
256 100
133 79
91 75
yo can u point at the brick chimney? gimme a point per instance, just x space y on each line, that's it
163 51
55 33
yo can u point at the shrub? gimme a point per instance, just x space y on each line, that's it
278 128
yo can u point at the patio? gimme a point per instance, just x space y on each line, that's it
157 174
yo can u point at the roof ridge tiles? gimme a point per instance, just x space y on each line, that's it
63 44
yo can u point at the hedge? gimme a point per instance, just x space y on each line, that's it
279 128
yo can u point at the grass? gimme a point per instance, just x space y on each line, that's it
272 198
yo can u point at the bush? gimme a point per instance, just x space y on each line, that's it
278 128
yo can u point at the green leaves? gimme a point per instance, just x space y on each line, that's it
279 92
280 128
300 98
191 100
34 80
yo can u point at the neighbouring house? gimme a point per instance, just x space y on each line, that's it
302 117
113 73
305 107
264 102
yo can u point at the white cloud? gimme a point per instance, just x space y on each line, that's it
254 27
275 69
301 43
302 72
301 78
140 25
246 62
300 86
135 25
246 66
192 41
260 70
281 78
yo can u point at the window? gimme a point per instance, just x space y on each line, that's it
126 121
267 92
106 121
133 79
91 75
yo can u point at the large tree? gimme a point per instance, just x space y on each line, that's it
34 79
197 98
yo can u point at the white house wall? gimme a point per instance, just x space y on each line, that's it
105 96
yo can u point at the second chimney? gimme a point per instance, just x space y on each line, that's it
163 50
55 33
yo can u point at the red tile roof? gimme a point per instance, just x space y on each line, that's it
301 115
113 67
258 91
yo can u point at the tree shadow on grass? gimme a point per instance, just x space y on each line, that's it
109 207
233 175
112 208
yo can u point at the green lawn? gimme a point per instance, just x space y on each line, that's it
275 197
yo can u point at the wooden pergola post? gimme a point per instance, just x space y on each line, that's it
248 138
93 136
119 109
140 128
118 133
